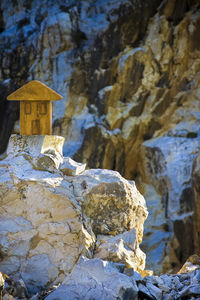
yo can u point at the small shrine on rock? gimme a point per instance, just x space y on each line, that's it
35 107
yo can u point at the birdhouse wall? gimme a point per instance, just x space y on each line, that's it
35 117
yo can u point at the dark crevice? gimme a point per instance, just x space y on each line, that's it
2 23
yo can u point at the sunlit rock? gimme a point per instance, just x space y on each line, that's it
121 248
48 219
71 168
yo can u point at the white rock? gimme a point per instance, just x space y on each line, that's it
154 290
37 271
71 167
121 248
167 163
44 152
95 279
48 219
35 144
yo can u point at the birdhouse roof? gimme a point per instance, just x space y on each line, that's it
34 91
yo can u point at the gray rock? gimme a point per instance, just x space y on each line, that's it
49 161
168 164
176 283
192 290
72 168
35 297
168 296
136 276
143 292
154 291
105 192
34 145
157 102
160 283
196 276
42 152
16 288
95 279
37 271
156 281
121 248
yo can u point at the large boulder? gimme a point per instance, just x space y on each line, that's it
48 220
111 202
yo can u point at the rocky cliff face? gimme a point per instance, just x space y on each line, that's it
129 75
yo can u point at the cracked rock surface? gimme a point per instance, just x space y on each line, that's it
98 279
48 219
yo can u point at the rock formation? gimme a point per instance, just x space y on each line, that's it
97 279
49 219
129 73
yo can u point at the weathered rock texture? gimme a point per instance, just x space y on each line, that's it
48 219
97 279
129 74
196 186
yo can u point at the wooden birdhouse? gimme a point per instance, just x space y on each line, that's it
35 107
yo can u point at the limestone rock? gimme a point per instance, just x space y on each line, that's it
196 186
71 168
2 283
191 291
35 144
148 97
95 279
99 279
121 248
111 202
48 220
15 289
43 152
192 263
49 161
167 167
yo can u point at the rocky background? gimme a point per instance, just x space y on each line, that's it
129 73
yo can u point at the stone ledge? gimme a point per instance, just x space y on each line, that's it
34 144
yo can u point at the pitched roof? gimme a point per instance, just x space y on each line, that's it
34 91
